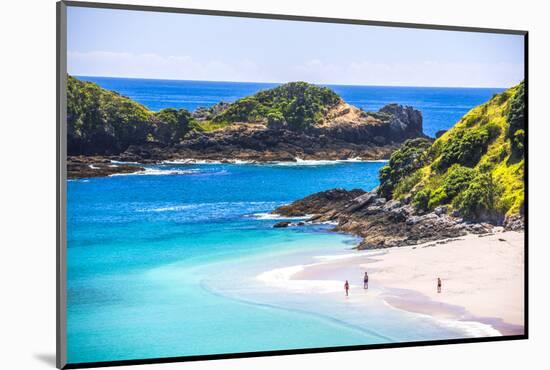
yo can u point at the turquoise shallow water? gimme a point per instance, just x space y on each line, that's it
166 263
125 233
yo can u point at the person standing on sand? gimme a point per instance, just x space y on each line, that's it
346 287
438 285
366 281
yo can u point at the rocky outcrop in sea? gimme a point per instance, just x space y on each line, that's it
380 223
96 166
292 121
347 133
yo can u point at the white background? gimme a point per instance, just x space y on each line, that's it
27 186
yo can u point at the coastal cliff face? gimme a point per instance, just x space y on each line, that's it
469 180
260 144
295 120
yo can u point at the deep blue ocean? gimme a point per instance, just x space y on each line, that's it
166 262
441 107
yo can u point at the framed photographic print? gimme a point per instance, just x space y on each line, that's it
236 184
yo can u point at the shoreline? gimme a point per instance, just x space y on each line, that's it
82 167
472 293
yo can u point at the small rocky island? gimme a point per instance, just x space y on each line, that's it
294 120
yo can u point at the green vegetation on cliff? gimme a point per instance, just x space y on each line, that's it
475 168
516 119
104 122
403 163
297 105
101 121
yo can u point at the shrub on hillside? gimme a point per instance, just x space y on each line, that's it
516 120
465 147
477 201
403 162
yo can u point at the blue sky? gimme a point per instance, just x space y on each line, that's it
121 43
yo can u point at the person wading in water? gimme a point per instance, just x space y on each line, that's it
438 285
366 281
346 287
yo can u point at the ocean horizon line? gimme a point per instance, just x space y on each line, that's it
281 83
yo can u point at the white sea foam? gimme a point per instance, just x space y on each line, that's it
270 216
206 161
337 257
174 208
187 161
159 172
296 162
470 328
323 162
78 180
282 278
307 162
122 162
333 223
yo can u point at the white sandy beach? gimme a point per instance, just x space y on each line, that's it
482 278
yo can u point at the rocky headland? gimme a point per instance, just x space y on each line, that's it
295 120
379 222
469 180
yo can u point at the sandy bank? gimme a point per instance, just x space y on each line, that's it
483 278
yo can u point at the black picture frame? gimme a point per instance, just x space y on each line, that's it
61 177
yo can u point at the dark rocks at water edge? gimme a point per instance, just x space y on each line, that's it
379 222
346 133
90 166
294 120
319 203
282 224
249 143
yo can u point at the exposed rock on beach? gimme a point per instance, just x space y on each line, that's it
379 222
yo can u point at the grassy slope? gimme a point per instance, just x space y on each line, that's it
296 104
475 159
208 126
